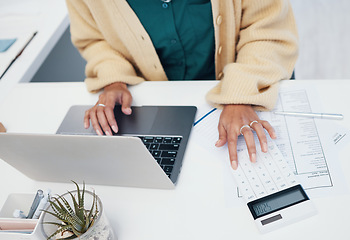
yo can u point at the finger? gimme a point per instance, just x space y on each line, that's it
222 136
94 121
87 119
2 128
269 129
249 140
110 104
126 103
103 120
232 150
258 128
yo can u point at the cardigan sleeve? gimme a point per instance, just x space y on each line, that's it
266 52
105 65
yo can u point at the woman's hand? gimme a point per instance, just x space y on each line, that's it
239 119
102 115
2 128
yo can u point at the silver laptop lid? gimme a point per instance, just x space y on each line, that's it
116 161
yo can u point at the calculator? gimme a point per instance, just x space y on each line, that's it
273 195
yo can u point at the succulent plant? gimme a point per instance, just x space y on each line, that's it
73 221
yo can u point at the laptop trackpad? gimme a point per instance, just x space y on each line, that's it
139 122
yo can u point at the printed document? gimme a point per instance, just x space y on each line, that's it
308 144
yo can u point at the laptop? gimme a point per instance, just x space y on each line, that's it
147 151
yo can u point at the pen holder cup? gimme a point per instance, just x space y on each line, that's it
18 228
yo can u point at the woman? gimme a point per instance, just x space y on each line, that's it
248 45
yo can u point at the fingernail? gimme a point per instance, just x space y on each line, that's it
253 157
115 129
274 135
108 133
234 165
128 111
98 132
264 147
86 126
217 143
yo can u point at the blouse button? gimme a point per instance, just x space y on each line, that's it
220 75
219 50
219 20
165 5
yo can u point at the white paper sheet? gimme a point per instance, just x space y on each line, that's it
308 144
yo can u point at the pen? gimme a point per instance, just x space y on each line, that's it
17 56
205 115
313 115
42 204
39 195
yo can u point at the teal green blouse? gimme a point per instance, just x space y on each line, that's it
182 33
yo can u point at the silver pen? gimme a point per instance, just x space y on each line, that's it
334 116
39 195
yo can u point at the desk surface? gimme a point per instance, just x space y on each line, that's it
196 209
48 18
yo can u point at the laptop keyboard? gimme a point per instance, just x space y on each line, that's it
163 149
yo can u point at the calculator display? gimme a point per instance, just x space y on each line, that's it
277 201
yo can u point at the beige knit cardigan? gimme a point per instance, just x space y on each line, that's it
255 47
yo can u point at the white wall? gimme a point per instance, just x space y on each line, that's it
324 33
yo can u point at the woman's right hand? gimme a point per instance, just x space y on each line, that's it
102 115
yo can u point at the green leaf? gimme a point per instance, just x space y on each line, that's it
90 217
73 215
71 237
58 210
65 215
80 200
60 230
83 195
55 223
78 210
96 206
77 233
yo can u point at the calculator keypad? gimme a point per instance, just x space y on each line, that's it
268 175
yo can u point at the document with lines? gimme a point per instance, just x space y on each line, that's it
299 140
309 154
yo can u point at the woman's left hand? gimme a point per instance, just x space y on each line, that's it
239 119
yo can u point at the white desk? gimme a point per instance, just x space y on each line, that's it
48 18
197 208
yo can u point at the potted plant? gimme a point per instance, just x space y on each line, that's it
76 214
